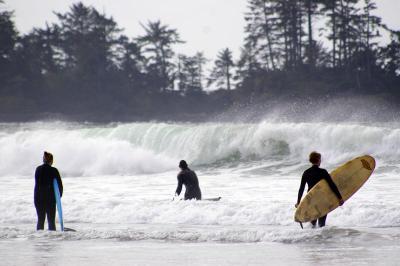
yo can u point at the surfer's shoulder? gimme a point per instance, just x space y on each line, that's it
308 170
323 170
181 173
41 166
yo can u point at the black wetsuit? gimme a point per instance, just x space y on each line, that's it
45 201
188 178
312 176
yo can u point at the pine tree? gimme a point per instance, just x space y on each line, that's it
132 62
311 7
222 71
157 42
8 41
190 73
348 33
89 40
330 8
290 20
201 60
260 31
371 24
390 55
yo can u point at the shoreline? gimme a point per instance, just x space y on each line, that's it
42 249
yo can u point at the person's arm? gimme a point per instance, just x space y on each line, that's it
60 185
37 177
180 183
333 187
301 189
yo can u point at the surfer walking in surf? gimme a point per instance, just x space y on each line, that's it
44 198
188 178
312 176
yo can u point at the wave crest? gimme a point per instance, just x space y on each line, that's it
126 149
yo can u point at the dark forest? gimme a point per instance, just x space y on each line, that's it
84 68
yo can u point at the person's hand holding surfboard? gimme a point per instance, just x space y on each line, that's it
341 202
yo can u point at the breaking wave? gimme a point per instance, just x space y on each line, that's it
136 148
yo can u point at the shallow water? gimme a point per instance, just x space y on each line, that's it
119 181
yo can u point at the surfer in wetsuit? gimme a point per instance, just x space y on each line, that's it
188 178
312 176
45 201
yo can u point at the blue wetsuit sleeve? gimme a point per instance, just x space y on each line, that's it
180 183
301 189
332 185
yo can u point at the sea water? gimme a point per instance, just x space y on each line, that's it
119 182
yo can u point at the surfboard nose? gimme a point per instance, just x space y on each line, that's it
368 162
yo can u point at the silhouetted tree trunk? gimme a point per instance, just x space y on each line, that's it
268 34
334 33
311 45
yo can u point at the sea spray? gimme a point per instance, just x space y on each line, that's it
137 148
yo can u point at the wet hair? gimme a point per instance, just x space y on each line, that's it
315 157
183 164
47 157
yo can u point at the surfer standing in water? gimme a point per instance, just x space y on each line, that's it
45 201
312 176
188 178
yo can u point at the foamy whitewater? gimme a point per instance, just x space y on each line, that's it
119 181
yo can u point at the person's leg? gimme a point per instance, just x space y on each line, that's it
41 215
322 220
51 215
314 223
198 194
40 211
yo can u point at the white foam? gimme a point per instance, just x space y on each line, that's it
148 148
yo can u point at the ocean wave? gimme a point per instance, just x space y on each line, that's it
137 148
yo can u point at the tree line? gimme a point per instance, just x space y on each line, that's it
83 66
331 42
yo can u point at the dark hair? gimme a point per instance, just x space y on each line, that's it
183 164
315 157
47 157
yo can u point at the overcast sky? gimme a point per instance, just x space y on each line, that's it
205 25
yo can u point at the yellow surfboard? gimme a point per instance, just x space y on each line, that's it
348 178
